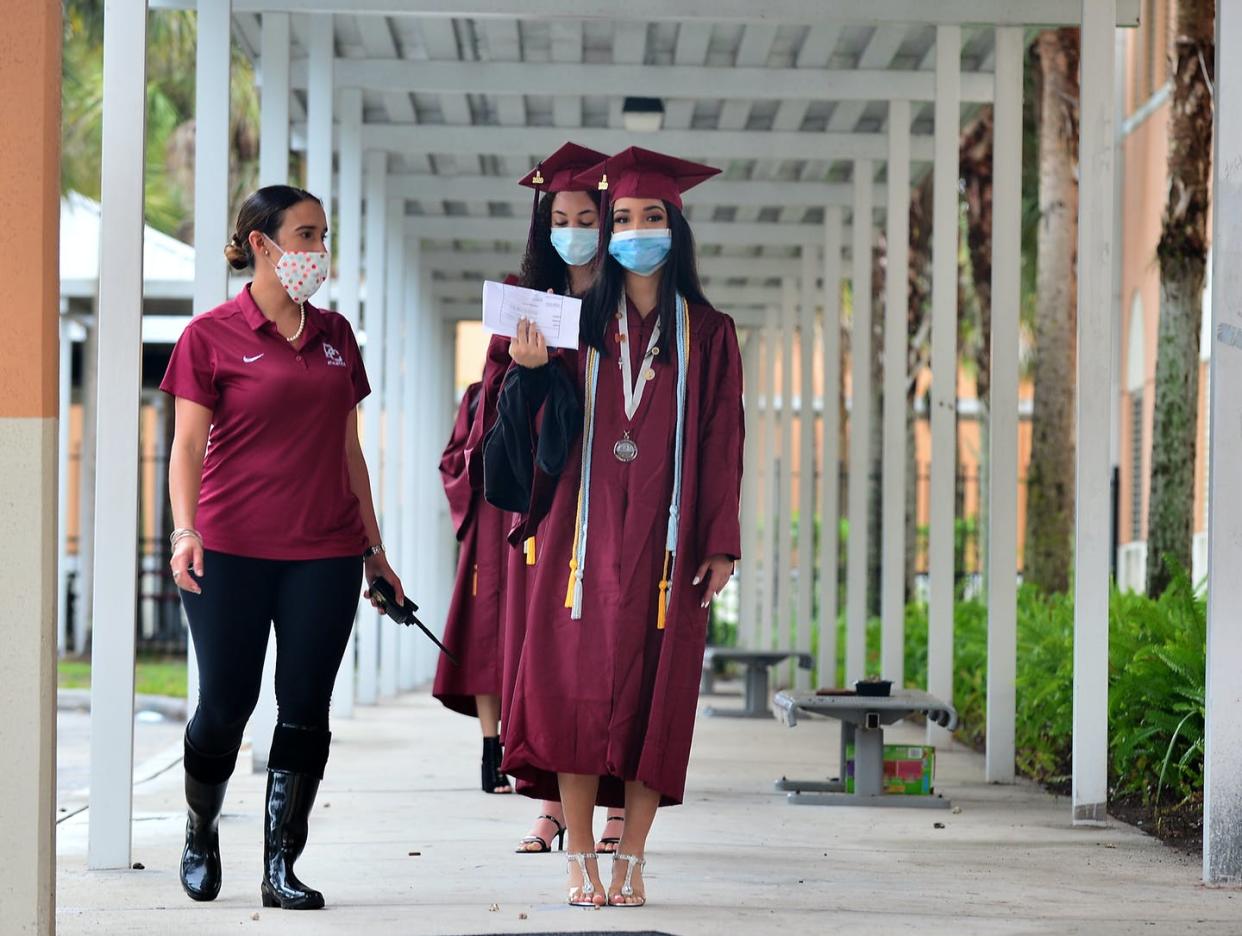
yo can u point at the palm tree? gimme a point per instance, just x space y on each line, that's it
1182 253
171 51
1050 478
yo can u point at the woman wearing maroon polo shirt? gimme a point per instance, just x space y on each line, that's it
274 525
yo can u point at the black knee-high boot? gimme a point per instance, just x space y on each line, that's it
206 779
295 768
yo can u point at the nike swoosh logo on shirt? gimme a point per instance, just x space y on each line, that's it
251 360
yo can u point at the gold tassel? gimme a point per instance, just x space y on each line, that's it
474 588
530 550
662 614
573 575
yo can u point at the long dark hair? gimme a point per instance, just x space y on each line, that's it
263 210
542 266
680 274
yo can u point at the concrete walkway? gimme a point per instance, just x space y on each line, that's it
402 841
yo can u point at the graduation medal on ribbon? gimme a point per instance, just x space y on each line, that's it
626 448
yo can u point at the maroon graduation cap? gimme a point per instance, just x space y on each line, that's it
643 173
557 173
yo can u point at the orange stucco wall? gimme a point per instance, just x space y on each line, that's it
1144 187
30 207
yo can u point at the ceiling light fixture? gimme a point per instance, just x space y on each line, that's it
642 114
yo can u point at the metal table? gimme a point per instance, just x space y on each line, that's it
757 663
862 724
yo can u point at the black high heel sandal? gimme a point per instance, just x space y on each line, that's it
609 844
545 846
493 779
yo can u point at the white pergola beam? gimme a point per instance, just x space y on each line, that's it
943 12
514 231
669 82
460 261
940 553
758 193
700 144
1002 557
1222 783
1092 542
119 326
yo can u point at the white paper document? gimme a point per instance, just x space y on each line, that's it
555 316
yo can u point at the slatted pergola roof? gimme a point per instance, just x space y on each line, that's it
463 106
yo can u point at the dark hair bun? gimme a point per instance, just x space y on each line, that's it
238 255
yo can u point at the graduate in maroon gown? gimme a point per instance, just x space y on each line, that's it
473 628
640 534
560 255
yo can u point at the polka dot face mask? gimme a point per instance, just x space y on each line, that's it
301 272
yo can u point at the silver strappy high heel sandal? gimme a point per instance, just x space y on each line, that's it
583 896
627 889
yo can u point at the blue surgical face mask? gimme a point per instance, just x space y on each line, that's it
576 245
643 251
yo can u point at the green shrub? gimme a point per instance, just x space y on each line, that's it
1157 655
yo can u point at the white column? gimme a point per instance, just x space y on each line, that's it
860 428
830 478
1222 781
319 94
771 482
274 101
349 208
87 453
785 489
369 623
1092 537
66 328
390 439
1002 558
348 283
120 344
896 326
748 584
943 406
806 457
412 450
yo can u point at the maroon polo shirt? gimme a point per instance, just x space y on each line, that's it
275 479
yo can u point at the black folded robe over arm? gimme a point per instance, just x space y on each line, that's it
513 450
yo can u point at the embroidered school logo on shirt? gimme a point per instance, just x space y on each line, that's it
333 356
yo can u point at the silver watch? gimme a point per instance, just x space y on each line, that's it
373 551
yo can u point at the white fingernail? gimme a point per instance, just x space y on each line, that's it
696 580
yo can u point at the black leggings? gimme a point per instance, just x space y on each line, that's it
312 604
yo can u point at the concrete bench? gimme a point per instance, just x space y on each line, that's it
757 663
862 724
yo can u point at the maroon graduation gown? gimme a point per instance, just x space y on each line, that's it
611 694
473 628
